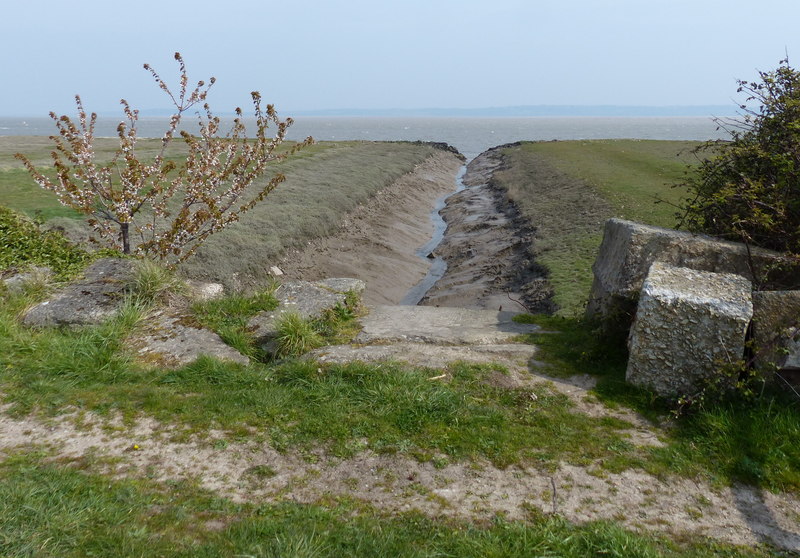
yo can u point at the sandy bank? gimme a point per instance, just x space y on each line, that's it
377 242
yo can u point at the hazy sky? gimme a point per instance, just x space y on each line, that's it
317 54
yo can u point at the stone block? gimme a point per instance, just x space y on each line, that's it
687 324
629 249
776 332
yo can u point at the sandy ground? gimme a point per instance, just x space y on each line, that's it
377 243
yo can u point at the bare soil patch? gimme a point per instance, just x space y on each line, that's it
255 472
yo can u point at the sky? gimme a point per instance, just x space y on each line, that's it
379 54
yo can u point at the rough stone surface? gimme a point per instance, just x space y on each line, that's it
170 339
511 355
686 324
16 282
203 290
629 249
439 325
90 300
776 333
307 299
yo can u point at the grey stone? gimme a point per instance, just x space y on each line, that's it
90 300
171 339
202 290
629 249
687 323
439 325
16 283
304 298
514 355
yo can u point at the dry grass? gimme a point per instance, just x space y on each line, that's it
324 183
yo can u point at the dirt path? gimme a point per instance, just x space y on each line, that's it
377 243
468 490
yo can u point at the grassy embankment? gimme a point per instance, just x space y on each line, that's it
63 508
568 189
324 182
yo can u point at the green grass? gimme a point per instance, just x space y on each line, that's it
299 404
228 317
753 441
53 509
569 189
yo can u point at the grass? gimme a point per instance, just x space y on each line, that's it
569 189
53 509
752 441
298 404
228 317
24 244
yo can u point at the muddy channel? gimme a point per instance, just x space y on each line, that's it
443 235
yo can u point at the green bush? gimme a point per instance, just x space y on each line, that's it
24 244
749 189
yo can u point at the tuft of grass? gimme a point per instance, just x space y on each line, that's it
296 335
153 282
57 510
228 316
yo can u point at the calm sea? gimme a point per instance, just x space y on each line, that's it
471 136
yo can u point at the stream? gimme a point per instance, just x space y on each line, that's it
438 267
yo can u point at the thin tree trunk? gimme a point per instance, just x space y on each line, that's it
126 241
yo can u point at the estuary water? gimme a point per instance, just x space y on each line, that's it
471 136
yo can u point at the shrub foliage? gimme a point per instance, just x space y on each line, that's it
749 188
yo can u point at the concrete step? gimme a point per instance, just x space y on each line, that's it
439 325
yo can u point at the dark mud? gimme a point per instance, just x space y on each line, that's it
488 248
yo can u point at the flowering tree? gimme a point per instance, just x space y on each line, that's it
159 207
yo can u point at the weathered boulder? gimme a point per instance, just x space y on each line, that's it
171 339
17 282
91 300
304 298
687 323
629 249
776 333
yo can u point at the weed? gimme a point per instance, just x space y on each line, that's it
296 335
153 282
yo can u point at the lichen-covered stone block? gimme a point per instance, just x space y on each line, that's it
304 298
687 324
629 249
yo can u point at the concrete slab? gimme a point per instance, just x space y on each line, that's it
514 356
439 325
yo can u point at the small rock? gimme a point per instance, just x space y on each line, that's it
200 290
307 299
16 283
172 339
276 271
91 300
